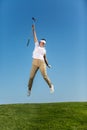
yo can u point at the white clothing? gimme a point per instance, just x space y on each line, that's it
38 52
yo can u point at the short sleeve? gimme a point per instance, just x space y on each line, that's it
36 44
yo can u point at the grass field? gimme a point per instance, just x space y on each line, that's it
47 116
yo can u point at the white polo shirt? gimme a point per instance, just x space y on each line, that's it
39 52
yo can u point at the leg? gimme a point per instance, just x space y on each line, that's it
32 75
44 74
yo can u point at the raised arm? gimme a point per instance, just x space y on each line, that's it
34 34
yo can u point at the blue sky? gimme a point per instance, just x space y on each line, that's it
64 25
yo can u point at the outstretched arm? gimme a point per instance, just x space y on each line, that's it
45 59
34 34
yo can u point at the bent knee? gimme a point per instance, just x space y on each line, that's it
45 76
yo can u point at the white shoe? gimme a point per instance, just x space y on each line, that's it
52 89
29 93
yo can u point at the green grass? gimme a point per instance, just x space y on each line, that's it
47 116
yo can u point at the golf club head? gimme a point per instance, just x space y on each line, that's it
28 42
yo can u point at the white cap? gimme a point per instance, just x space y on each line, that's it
43 41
